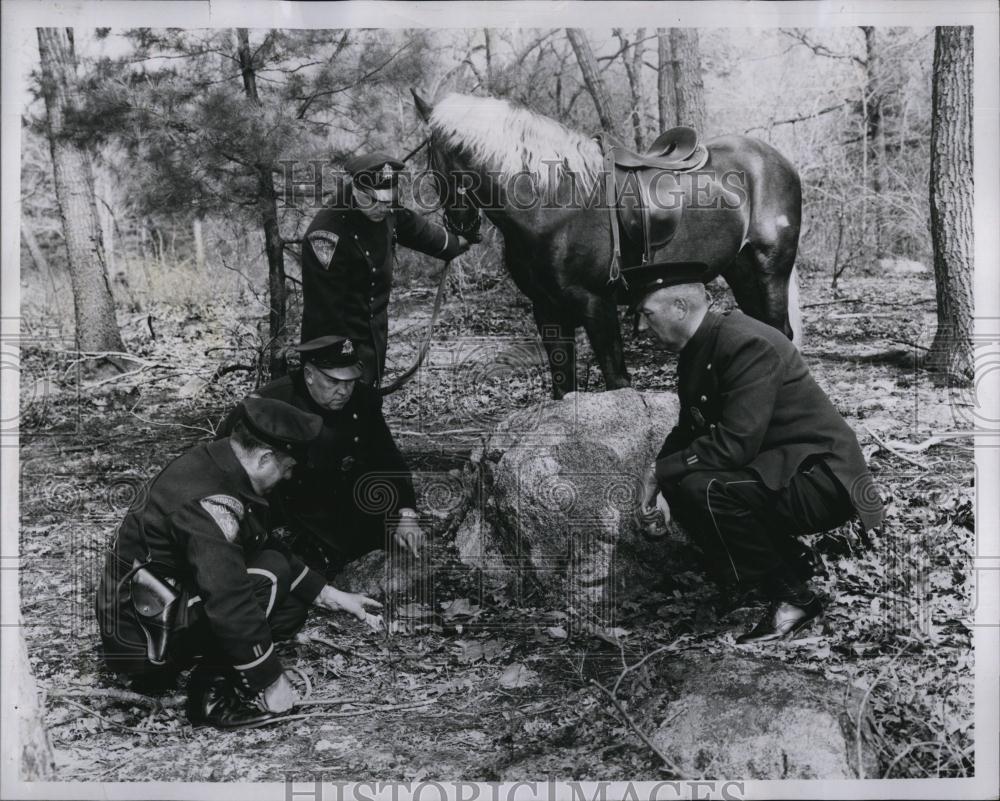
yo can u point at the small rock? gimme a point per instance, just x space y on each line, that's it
741 717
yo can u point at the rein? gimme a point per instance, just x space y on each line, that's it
406 377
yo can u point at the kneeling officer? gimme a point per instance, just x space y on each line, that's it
192 575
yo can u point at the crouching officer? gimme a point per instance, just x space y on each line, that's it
347 259
354 485
759 455
192 575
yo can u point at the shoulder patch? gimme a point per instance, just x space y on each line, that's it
324 243
226 511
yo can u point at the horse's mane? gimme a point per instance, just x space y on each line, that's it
495 134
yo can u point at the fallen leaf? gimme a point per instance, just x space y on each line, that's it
556 632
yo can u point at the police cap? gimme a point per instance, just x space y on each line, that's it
647 278
333 355
376 173
281 425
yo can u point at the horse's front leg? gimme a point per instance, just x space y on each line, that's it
559 338
600 321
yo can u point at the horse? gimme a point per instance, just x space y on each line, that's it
512 163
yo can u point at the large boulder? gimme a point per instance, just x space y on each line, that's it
734 716
556 492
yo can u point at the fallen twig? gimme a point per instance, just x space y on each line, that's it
864 702
930 442
110 722
354 712
125 696
914 746
637 665
341 650
202 429
893 451
632 724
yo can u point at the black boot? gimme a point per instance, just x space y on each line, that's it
214 701
782 621
793 606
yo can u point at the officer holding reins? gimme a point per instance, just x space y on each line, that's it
347 259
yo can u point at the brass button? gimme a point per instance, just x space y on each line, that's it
708 366
356 439
354 416
703 399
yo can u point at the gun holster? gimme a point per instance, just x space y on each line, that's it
155 604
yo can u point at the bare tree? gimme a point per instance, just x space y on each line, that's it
274 244
96 323
680 85
875 131
951 196
592 78
633 71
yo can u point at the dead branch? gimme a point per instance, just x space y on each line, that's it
125 696
864 701
893 451
110 722
639 664
930 442
632 724
341 650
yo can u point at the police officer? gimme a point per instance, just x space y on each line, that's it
759 455
354 480
193 576
347 259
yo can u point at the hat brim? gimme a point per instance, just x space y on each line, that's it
348 373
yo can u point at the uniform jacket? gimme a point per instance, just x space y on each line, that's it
347 264
747 400
354 463
198 522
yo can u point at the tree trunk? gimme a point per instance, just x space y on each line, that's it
689 88
32 758
876 133
633 71
666 98
951 197
199 243
592 79
274 245
96 323
488 42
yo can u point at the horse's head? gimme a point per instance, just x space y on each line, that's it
453 181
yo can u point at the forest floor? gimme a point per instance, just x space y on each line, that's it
469 686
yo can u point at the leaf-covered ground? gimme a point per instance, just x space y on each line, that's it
468 685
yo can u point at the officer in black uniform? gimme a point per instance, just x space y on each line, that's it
759 454
354 484
347 259
193 575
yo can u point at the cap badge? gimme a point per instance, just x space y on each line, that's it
348 348
387 172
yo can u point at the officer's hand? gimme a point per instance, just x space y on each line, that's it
280 696
410 536
339 601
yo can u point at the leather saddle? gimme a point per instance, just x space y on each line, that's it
648 198
155 602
